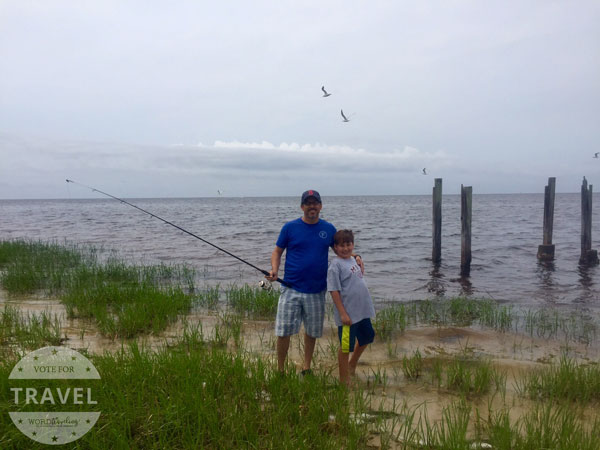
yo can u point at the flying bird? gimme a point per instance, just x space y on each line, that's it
345 118
596 154
325 93
219 192
424 171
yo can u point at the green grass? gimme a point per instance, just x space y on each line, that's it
28 331
30 266
253 301
567 380
392 320
547 426
124 311
197 395
412 366
123 299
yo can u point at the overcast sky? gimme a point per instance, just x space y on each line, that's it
184 98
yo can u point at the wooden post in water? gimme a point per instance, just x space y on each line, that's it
466 197
588 256
546 250
436 253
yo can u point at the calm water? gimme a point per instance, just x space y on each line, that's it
393 234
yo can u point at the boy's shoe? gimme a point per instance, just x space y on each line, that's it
305 372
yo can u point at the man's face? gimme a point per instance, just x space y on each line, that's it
311 208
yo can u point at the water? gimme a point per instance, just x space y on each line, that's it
393 234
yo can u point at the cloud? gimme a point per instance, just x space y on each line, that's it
266 156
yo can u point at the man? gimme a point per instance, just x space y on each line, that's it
307 241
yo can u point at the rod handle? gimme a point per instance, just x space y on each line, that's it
279 280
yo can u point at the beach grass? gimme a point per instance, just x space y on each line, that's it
30 330
193 394
210 392
30 266
254 302
573 326
123 299
566 380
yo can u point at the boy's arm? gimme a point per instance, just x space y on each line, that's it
337 300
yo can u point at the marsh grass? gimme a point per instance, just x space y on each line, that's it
546 426
30 266
28 331
390 321
255 302
209 298
197 395
567 380
470 378
126 310
393 319
125 300
412 366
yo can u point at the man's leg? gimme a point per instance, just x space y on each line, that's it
287 323
309 349
283 344
313 313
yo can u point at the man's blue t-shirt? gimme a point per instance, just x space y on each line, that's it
307 246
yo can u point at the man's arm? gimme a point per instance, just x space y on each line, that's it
275 263
360 262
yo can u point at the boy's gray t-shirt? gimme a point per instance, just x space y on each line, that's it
344 275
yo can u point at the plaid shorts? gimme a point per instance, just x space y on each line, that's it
295 308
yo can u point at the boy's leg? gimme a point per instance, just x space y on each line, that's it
343 365
283 344
358 350
309 349
365 335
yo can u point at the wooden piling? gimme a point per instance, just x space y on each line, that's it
546 250
588 256
466 197
436 253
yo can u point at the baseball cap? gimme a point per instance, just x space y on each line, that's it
310 193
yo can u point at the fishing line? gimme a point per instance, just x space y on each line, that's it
264 272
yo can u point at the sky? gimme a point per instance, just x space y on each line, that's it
188 98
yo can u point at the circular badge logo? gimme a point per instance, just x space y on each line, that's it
54 427
323 234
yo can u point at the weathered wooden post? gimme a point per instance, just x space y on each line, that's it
588 256
466 197
546 250
436 253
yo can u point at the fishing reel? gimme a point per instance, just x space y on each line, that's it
266 285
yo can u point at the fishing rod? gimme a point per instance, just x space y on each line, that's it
264 272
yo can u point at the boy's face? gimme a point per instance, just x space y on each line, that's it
344 250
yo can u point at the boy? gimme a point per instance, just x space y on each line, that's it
353 304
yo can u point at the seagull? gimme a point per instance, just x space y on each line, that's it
345 118
325 93
596 155
219 192
424 171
